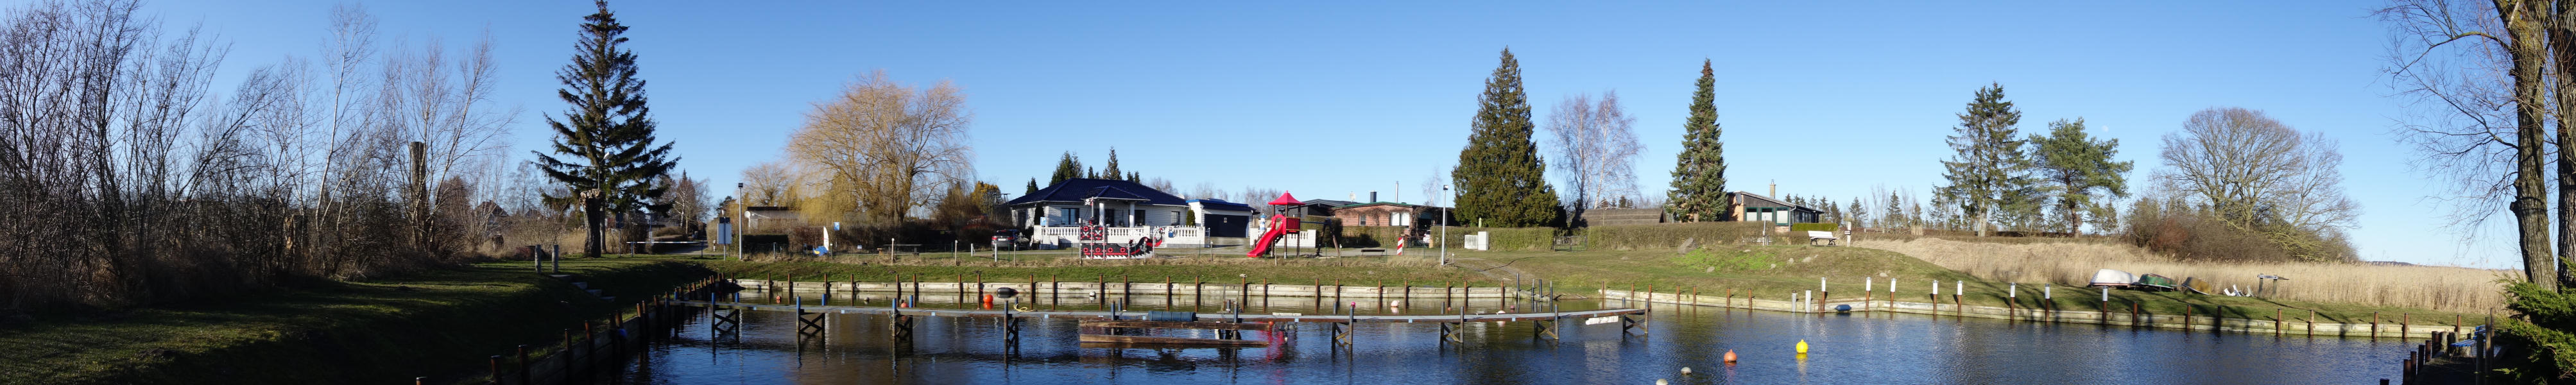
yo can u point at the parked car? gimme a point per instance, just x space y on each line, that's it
1007 238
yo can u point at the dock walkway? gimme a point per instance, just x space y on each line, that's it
1099 314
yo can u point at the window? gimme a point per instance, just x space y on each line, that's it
1066 217
1176 218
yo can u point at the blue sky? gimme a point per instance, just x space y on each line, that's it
1330 99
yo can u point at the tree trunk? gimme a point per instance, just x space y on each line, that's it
2562 46
2522 21
594 216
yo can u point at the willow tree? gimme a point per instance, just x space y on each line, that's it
886 147
605 137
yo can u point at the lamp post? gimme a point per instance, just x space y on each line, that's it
1444 226
742 213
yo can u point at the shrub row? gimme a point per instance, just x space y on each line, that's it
1667 235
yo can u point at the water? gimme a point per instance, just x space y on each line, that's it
1873 348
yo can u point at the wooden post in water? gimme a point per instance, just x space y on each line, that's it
496 370
2404 325
2374 325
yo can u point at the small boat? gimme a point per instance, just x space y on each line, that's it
2113 278
2197 286
2154 282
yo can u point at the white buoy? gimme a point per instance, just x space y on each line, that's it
1660 381
1685 370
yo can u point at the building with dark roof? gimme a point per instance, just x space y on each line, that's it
1129 209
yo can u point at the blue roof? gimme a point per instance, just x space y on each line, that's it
1077 189
1213 204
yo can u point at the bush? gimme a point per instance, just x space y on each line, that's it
1667 235
2174 227
1507 238
2542 349
1803 227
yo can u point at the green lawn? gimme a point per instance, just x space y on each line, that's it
440 323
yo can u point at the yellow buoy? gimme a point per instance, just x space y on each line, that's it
1802 346
1730 356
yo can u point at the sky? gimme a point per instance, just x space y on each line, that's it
1333 100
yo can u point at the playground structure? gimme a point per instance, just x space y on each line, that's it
1280 225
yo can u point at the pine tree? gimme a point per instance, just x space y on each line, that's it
1859 212
2076 166
1067 168
1500 177
1033 187
610 162
1137 177
1699 173
1989 174
1111 171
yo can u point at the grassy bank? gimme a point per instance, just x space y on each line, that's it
2069 262
437 323
1415 270
1772 272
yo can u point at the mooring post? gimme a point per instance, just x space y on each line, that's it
523 356
2374 325
2405 325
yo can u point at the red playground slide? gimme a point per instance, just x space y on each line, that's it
1278 227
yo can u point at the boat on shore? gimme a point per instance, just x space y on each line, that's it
2113 278
2153 282
2197 286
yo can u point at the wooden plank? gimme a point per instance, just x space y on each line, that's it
1175 325
1144 340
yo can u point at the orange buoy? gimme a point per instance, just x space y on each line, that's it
1730 356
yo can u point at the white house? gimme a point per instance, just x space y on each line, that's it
1129 210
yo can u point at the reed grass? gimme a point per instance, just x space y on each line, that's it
2072 263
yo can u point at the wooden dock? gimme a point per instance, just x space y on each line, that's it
1131 315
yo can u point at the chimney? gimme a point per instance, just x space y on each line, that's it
1775 189
1372 196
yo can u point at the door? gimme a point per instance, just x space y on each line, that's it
1230 226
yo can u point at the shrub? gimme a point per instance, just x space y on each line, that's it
1667 235
1803 227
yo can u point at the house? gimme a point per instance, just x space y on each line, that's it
1129 210
1313 207
1385 214
1755 207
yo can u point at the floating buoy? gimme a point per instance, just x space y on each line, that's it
1685 370
1802 346
1660 381
1397 303
1730 356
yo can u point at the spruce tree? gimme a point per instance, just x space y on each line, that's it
1033 187
1990 174
1699 173
610 162
1111 171
1500 177
1067 168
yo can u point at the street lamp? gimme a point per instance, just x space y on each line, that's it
1444 226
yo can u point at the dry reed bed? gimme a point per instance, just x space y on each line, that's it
2452 289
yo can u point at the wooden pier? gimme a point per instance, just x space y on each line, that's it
1132 315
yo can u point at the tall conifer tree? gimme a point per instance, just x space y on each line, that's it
1068 167
606 137
1990 174
1699 172
1500 177
1111 171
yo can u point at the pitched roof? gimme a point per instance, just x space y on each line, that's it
1396 204
1076 189
1213 204
1329 202
1774 201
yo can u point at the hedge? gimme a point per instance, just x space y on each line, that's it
1667 235
1798 227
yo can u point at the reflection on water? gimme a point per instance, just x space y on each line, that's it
1846 348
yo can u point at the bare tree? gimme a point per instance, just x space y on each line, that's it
886 146
1597 149
767 184
2252 170
2475 71
1208 190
